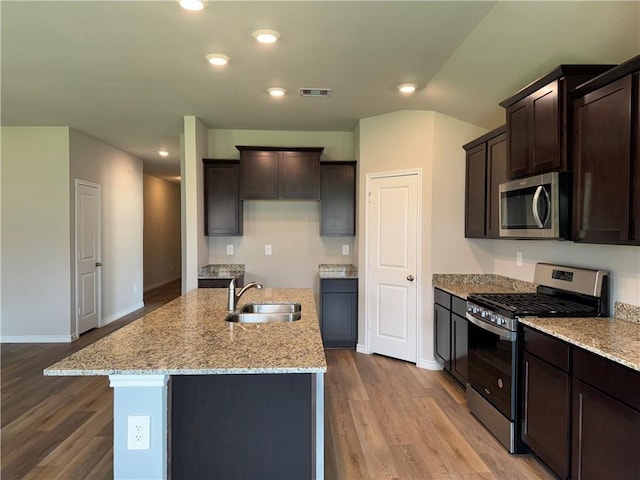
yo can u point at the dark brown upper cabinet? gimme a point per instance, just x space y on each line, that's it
606 196
539 121
280 172
485 170
222 205
337 199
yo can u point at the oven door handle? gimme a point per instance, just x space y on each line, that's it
501 332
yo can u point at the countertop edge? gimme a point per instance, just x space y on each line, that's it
176 372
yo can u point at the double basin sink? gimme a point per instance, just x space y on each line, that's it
266 313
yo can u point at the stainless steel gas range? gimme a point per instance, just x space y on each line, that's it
492 391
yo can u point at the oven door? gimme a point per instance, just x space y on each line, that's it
492 360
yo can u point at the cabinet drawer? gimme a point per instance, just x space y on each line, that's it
346 285
442 298
549 349
616 380
459 306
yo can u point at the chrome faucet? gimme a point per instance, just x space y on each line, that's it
234 297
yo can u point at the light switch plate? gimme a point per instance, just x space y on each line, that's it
267 250
518 259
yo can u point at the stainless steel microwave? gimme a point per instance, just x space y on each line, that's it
536 207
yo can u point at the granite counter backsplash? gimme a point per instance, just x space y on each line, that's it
627 312
221 270
337 270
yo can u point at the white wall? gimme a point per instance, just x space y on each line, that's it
35 296
195 250
161 231
120 175
291 227
433 143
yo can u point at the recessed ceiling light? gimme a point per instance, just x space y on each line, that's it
276 91
194 5
407 88
163 153
217 59
266 36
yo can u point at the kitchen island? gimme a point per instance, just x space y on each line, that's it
183 363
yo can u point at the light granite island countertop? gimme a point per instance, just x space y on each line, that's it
181 364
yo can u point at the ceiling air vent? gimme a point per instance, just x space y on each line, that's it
315 92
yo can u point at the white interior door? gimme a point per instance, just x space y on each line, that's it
392 236
87 255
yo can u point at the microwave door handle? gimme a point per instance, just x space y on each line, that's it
536 213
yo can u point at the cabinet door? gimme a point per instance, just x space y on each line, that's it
496 174
300 175
606 436
223 207
337 199
545 135
260 177
475 192
460 347
546 413
602 164
442 318
518 142
339 320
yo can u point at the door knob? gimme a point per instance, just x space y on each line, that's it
98 264
410 278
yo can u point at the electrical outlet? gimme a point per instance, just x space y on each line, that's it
138 432
267 250
518 259
345 249
229 249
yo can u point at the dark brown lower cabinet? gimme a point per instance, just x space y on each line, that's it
606 419
580 411
442 321
546 413
219 282
451 329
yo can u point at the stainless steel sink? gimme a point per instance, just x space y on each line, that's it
271 308
240 317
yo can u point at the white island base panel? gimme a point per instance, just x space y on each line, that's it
148 395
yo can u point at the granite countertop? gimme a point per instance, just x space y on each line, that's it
616 338
337 270
612 338
189 336
461 285
220 270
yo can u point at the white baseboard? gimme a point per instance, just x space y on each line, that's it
160 283
120 314
36 339
360 348
429 364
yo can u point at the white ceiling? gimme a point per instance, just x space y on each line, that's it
127 72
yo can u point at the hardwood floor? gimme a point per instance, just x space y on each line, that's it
384 418
60 427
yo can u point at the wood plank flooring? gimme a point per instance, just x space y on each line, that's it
384 419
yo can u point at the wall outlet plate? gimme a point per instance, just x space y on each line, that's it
229 249
267 250
345 249
138 432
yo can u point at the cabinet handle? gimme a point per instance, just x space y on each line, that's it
525 427
411 278
98 264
